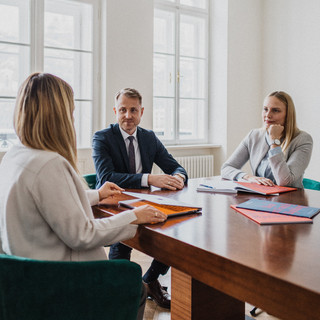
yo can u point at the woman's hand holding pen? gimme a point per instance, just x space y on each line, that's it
144 214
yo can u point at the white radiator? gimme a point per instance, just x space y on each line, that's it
196 166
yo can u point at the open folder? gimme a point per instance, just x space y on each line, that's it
237 186
168 206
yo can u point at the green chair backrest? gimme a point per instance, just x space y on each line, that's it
311 184
51 290
91 180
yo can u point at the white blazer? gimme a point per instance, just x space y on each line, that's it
45 212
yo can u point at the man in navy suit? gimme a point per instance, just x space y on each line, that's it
111 149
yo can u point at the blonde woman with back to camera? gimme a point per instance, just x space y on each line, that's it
278 153
45 212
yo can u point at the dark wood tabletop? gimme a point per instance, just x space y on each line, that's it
274 267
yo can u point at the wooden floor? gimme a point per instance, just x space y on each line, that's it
154 312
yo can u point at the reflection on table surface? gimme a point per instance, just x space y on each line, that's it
289 252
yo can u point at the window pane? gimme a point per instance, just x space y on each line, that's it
192 118
180 49
83 122
192 36
14 61
163 75
14 21
73 67
14 68
7 133
164 31
195 3
163 118
192 78
68 25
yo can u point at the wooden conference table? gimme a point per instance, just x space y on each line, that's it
221 259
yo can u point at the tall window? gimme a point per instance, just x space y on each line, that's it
180 104
54 36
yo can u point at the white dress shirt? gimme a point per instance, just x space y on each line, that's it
144 179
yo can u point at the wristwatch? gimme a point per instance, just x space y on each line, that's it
277 142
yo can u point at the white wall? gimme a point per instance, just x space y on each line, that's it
244 68
272 45
291 62
129 53
218 84
235 87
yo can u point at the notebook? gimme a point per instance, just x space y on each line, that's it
236 186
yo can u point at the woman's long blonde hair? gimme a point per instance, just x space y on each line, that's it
290 128
43 116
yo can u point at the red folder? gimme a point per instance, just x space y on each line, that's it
264 218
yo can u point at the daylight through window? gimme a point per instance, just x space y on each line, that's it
180 102
54 36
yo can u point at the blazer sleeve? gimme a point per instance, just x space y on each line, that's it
289 172
106 157
64 205
166 162
232 167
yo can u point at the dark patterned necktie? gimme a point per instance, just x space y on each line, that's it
132 159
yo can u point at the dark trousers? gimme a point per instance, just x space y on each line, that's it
121 251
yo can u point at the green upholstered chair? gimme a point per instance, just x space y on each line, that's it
91 180
53 290
311 184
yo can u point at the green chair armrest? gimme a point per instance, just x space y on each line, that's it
311 184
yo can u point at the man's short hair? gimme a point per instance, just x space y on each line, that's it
129 93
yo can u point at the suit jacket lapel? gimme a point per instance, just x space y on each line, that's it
122 145
143 150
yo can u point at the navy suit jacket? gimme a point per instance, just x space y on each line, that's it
112 162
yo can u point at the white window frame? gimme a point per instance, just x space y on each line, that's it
177 9
36 45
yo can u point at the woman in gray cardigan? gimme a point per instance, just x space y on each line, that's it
278 153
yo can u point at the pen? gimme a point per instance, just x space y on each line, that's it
204 185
